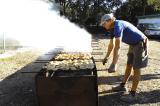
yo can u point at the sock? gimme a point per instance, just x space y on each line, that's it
133 93
122 84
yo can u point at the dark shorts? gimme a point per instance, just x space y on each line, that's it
138 55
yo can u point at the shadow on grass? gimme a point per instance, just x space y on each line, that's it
113 99
100 36
110 98
154 38
18 89
112 80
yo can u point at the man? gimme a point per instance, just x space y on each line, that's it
137 53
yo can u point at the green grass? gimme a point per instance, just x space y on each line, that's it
21 58
14 63
1 51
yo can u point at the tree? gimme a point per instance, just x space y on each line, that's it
133 8
80 11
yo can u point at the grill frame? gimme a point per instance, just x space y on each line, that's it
68 90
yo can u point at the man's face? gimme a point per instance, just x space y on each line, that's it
107 25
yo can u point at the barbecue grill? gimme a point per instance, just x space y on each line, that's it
72 86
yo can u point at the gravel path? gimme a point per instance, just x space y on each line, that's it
149 86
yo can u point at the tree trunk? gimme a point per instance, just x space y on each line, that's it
144 7
97 11
64 7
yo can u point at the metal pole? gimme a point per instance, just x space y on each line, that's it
4 43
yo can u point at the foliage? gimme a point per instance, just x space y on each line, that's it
133 8
86 12
155 3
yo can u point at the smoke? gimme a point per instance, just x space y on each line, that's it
35 24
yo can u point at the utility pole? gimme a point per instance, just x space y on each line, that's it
4 43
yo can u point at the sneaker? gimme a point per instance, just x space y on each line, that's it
119 88
129 98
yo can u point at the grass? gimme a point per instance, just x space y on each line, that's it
12 64
1 51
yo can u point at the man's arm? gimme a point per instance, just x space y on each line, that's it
110 48
116 50
113 66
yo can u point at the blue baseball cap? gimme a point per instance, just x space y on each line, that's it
105 18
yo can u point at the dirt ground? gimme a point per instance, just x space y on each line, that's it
148 88
17 84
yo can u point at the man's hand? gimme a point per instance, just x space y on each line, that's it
112 68
105 60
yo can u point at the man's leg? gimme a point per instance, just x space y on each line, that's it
122 87
129 65
139 61
131 96
136 78
127 73
128 70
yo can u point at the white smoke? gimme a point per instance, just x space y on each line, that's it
33 23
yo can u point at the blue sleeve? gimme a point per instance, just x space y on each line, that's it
118 30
